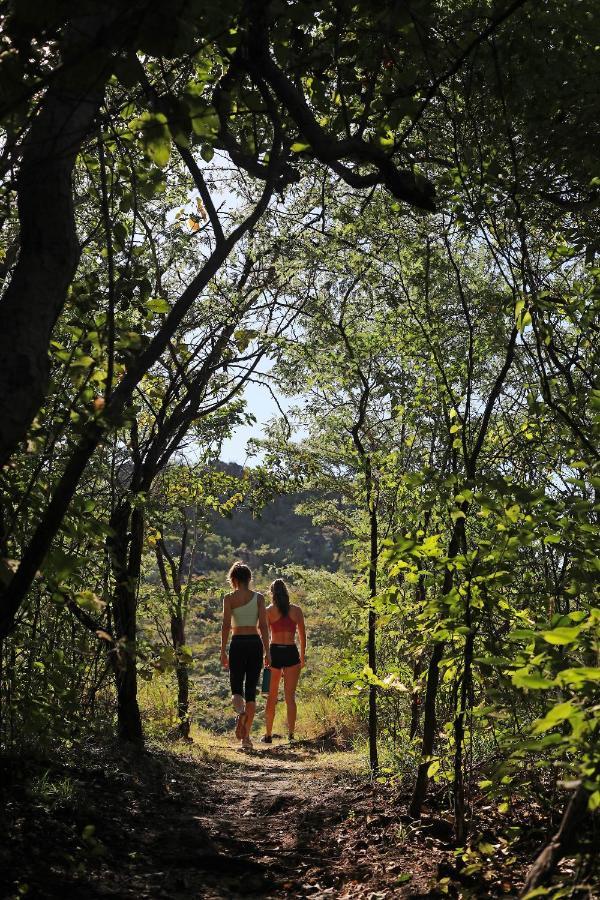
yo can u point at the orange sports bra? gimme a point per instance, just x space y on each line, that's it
285 623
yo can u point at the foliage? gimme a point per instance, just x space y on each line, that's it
387 212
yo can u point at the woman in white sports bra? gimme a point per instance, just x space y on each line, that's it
245 611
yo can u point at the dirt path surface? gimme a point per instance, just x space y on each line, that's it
305 826
215 823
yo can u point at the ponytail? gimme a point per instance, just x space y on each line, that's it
280 595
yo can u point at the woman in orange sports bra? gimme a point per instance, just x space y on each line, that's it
284 618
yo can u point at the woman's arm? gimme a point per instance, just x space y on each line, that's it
302 634
225 629
263 625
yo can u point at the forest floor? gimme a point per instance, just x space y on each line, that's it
205 820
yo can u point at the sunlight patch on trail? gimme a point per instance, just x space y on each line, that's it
218 749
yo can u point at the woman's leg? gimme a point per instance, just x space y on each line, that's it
238 668
250 713
253 667
272 701
236 676
291 674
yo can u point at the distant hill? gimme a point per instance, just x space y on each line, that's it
279 537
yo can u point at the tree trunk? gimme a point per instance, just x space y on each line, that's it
177 604
433 679
181 671
49 249
373 754
372 636
429 726
460 825
126 554
545 864
415 701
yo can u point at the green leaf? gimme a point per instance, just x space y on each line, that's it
524 679
155 136
205 121
519 307
158 305
513 512
594 801
464 495
299 147
520 634
243 337
578 675
89 601
562 635
559 713
486 848
82 362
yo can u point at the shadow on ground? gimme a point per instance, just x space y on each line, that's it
285 821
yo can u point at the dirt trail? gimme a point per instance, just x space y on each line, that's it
281 822
292 822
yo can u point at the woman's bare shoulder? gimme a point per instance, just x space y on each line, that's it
296 609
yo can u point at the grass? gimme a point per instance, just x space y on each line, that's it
215 750
54 792
318 712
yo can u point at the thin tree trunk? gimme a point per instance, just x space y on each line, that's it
175 598
182 673
429 726
415 702
373 754
460 825
372 636
545 864
1 691
433 679
126 550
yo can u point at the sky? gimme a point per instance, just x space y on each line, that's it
261 404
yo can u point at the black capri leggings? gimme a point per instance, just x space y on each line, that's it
245 663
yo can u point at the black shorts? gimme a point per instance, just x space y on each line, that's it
284 655
245 663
